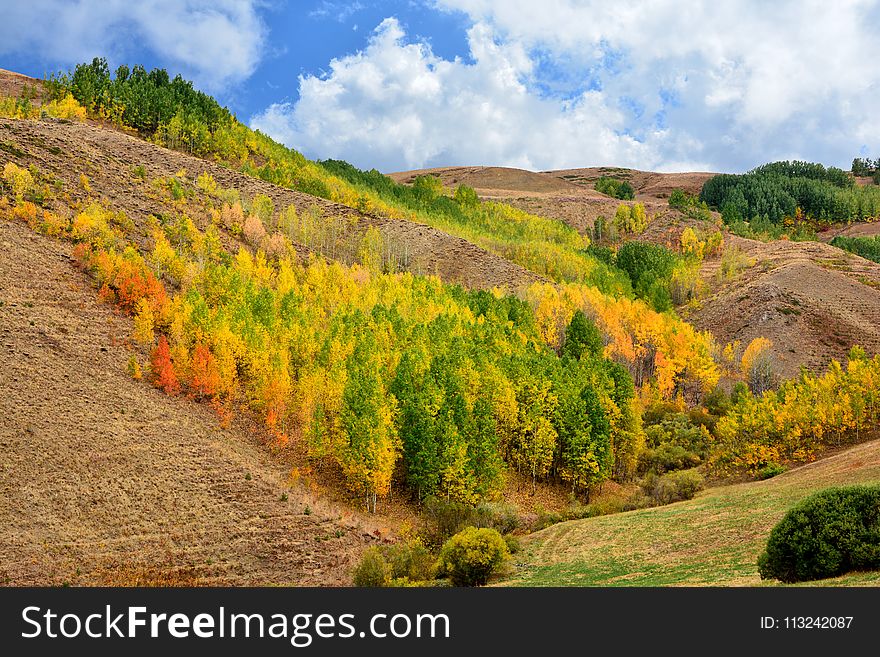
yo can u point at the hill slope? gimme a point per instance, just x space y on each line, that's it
813 300
714 539
107 158
105 480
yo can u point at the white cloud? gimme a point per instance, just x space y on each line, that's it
216 42
668 85
397 105
758 75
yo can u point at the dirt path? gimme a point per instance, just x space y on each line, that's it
105 480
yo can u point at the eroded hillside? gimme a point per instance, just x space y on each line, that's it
105 480
812 300
108 157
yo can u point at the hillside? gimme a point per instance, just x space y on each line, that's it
569 194
107 481
107 157
712 540
814 301
403 342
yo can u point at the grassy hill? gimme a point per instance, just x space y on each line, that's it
712 540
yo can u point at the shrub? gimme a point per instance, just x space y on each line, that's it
667 458
470 557
409 561
372 570
445 519
502 517
830 533
771 470
619 189
673 487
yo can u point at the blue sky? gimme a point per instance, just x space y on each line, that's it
399 84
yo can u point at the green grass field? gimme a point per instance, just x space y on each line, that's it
712 540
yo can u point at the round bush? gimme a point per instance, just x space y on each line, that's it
469 557
372 570
828 534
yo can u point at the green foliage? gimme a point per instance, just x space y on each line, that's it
470 557
790 194
689 205
771 470
614 188
674 486
446 518
582 337
867 247
372 570
865 166
650 268
146 101
830 533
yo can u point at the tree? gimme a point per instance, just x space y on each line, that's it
205 375
757 365
369 449
161 368
582 337
144 322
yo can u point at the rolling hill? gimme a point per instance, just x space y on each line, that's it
712 540
107 481
812 300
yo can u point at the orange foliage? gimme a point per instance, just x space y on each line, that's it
162 370
205 376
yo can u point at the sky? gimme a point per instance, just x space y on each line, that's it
666 85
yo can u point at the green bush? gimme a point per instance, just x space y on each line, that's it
830 533
409 561
619 189
672 487
372 570
470 557
447 518
667 458
444 519
771 470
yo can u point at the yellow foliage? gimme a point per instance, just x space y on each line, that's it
66 108
19 179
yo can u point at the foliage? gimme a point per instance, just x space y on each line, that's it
398 564
543 245
162 370
791 194
830 533
674 486
800 417
689 205
865 166
866 247
382 374
630 219
615 188
650 267
757 365
470 557
372 570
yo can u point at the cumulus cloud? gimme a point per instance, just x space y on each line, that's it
398 105
752 80
665 85
215 42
